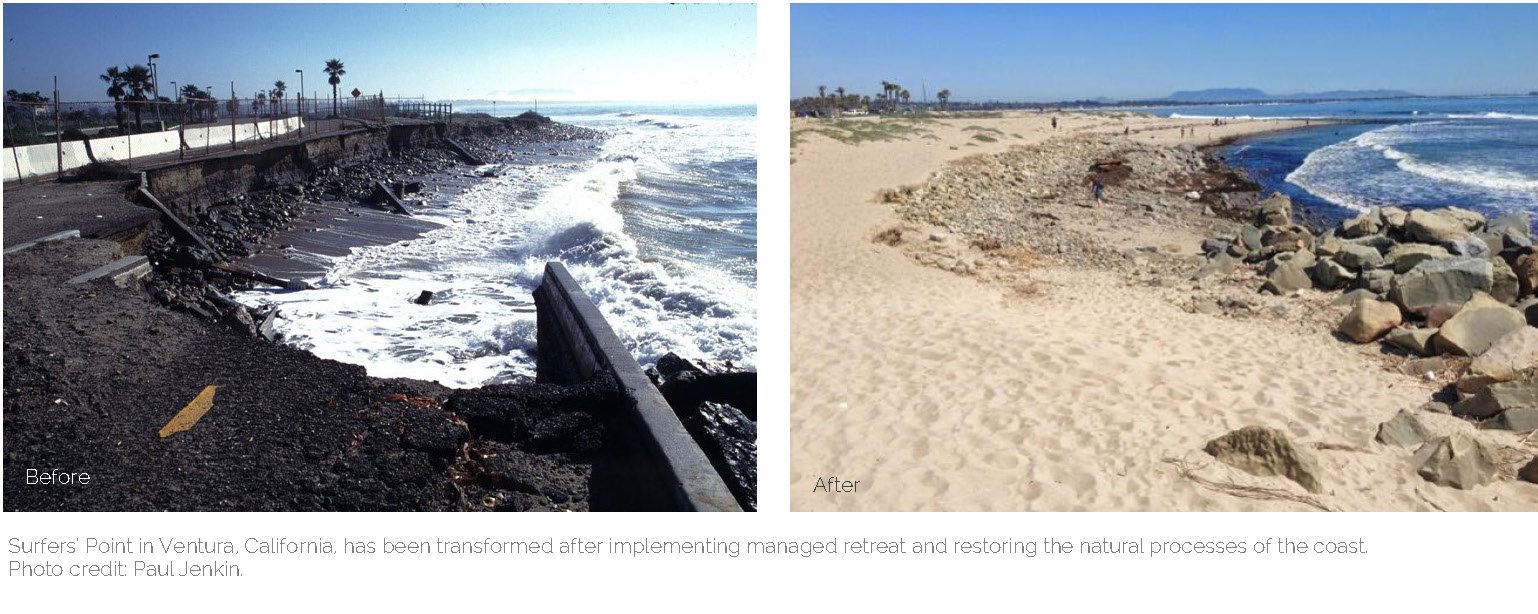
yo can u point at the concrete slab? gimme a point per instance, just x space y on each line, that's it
97 209
120 271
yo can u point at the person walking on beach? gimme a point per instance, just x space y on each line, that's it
1098 189
1126 131
1054 123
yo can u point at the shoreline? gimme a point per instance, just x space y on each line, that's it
288 430
1068 363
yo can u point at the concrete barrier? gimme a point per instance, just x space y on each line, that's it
650 461
43 159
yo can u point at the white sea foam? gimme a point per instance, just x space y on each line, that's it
486 260
1493 115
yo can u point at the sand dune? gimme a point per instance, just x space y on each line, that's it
940 392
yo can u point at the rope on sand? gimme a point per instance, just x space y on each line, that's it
1243 491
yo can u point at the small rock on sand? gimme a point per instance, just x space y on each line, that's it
1370 319
1403 430
1267 451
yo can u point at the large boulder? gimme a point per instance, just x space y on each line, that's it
1406 255
1403 430
1289 238
1249 237
1511 357
1416 341
1451 281
1370 319
1379 281
1458 460
1504 285
1393 217
1432 227
1529 472
1471 245
1369 223
1267 451
1471 220
1500 397
1478 324
1358 257
1288 277
1274 211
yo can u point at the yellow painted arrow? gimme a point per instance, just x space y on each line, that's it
190 414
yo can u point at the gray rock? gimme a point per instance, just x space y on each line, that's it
1288 277
1436 407
1403 430
1250 237
1350 298
1370 319
1520 420
1332 275
1478 324
1378 242
1450 281
1421 367
1509 358
1328 246
1499 397
1358 257
1214 247
1458 460
1470 245
1302 258
1365 224
1393 217
1431 227
1377 281
1274 211
1266 451
1406 255
1223 264
1287 238
1471 220
1416 341
1514 223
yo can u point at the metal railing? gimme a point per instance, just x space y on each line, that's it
46 139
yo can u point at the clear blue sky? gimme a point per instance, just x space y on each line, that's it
1060 52
511 52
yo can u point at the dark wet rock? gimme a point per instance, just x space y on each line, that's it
1529 472
730 440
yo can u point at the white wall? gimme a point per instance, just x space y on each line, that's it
41 160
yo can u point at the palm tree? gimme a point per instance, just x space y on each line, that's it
838 103
114 79
279 88
944 96
259 103
904 96
137 80
335 69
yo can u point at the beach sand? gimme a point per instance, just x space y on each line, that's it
938 391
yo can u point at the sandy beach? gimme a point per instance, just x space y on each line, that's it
1030 383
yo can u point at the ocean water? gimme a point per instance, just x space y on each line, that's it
658 225
1479 153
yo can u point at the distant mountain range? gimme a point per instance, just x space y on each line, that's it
1253 95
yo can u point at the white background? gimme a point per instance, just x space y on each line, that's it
1422 561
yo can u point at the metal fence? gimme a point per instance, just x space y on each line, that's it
45 139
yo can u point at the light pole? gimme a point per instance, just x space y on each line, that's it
155 78
301 100
176 92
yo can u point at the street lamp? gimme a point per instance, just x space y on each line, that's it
155 77
176 92
301 91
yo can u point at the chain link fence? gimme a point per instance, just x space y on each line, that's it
45 139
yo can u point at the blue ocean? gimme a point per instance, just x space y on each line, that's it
1478 153
659 225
